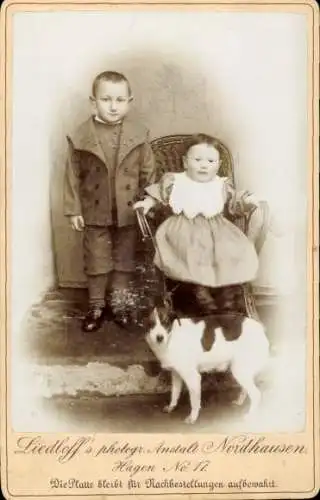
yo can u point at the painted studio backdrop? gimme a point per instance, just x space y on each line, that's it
238 76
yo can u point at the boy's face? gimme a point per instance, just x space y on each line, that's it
112 101
202 162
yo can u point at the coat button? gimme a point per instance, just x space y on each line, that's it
96 202
128 187
96 186
130 203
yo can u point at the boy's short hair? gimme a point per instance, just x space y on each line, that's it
110 76
202 139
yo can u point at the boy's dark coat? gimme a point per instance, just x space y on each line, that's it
87 187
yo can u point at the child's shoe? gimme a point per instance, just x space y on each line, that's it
205 300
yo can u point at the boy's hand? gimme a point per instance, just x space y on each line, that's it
77 222
145 204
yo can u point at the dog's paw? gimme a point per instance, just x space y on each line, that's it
168 409
190 419
240 399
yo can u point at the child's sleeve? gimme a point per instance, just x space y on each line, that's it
161 190
238 202
72 204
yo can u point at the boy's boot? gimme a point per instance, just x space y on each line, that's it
98 312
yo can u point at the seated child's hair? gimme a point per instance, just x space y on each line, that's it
202 139
110 76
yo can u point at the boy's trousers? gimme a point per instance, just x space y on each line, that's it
108 249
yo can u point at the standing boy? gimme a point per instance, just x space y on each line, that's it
109 164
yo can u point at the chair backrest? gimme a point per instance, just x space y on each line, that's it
169 150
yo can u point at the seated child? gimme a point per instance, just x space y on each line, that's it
197 244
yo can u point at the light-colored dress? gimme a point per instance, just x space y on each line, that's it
197 244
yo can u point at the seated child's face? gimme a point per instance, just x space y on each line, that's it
112 101
202 162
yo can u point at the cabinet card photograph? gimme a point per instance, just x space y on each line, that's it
159 249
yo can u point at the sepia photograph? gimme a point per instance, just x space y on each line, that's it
159 221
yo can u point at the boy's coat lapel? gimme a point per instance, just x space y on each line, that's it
132 135
85 139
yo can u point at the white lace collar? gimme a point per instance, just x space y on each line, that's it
193 198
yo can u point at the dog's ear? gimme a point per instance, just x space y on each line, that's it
168 314
150 304
167 303
160 302
148 318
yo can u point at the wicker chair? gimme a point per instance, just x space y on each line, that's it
168 153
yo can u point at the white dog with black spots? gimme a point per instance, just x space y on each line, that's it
188 347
